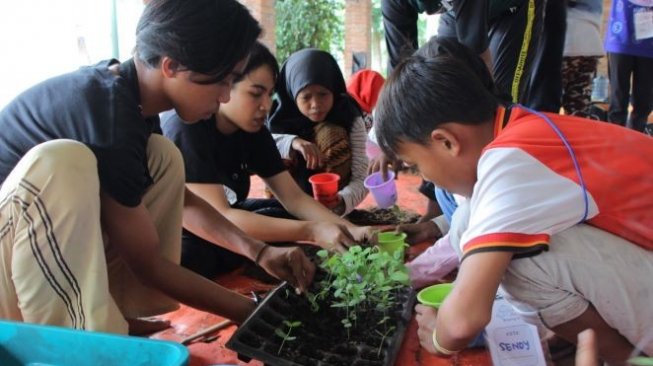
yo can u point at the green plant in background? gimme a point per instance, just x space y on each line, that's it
302 24
284 332
360 280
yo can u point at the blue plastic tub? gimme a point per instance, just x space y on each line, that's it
23 344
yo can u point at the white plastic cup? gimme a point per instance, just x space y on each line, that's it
384 192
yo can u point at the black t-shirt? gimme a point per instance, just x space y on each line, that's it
92 106
211 157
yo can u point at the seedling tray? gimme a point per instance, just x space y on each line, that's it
321 338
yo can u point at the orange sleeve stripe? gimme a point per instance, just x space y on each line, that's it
503 240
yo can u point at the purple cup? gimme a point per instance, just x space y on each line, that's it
384 192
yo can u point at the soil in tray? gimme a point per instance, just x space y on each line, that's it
382 216
321 338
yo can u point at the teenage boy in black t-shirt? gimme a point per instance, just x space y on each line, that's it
91 201
221 152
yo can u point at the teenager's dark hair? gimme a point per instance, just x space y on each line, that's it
204 36
259 56
424 92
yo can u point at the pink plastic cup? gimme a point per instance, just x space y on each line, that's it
325 188
384 192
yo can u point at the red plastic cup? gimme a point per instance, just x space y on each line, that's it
325 188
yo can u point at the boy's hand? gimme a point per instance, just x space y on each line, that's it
364 234
332 237
309 151
426 316
587 349
418 233
289 264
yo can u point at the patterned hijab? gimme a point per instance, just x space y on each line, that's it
303 68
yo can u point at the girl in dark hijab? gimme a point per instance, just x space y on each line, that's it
319 126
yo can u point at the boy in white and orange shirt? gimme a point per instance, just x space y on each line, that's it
561 214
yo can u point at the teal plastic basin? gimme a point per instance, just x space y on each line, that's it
23 344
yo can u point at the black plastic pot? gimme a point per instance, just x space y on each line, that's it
321 338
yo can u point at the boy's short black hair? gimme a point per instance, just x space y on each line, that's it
259 56
424 92
441 46
204 36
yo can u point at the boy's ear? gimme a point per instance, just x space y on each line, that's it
446 141
169 67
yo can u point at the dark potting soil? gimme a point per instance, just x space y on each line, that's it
320 338
382 216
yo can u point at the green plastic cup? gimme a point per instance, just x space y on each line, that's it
434 295
391 241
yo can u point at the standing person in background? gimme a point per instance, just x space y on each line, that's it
400 26
91 200
583 48
545 86
321 124
505 34
629 44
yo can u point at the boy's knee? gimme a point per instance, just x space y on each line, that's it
63 154
57 162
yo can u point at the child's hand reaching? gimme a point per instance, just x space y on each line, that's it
331 236
418 233
309 151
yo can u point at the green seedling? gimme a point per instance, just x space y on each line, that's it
361 279
383 336
284 332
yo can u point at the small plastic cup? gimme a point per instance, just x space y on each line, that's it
325 188
391 241
434 295
384 192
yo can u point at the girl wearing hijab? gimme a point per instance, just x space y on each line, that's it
319 125
221 152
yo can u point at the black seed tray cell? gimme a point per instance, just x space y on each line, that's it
321 338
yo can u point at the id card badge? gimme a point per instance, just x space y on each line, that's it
643 24
512 341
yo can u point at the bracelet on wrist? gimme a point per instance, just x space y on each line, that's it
441 349
259 255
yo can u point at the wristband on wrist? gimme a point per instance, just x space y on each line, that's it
441 349
259 255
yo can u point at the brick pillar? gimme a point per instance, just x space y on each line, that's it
263 11
358 32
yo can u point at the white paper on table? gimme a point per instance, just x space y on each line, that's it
512 341
643 24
